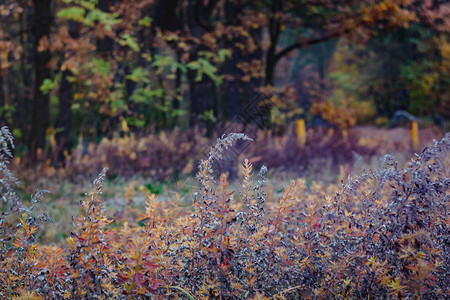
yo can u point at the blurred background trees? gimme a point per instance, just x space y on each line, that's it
94 68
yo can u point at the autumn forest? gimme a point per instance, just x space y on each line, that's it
192 117
90 67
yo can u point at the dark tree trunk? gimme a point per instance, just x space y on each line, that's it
105 45
167 16
274 33
270 66
203 93
232 98
64 120
40 111
240 95
176 102
25 100
203 98
63 123
105 48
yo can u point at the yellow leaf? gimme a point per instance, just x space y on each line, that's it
396 286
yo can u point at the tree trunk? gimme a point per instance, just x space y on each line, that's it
241 97
63 123
237 93
167 16
40 111
274 32
25 100
203 98
105 45
203 93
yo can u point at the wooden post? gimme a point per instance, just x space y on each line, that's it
415 135
301 133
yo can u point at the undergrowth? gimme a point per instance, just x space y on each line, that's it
153 155
385 234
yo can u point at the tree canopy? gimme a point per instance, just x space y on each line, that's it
95 67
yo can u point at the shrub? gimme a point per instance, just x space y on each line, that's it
19 256
384 234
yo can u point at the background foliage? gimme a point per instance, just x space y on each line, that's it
91 68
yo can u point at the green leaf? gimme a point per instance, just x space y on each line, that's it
88 4
107 19
128 40
193 65
178 113
70 78
47 86
146 21
223 54
163 61
158 93
101 66
199 76
75 13
133 121
203 66
118 105
181 67
208 115
139 74
17 133
54 100
208 68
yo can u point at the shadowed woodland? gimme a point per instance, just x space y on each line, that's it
97 68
